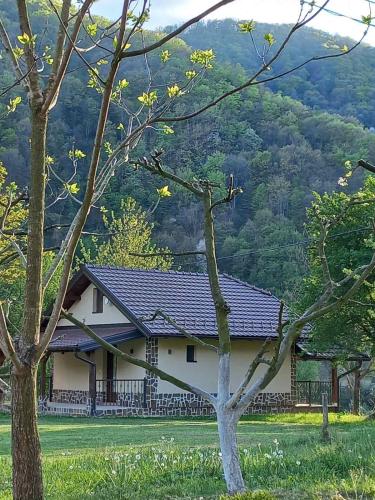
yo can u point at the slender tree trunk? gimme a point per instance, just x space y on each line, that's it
26 454
356 392
227 427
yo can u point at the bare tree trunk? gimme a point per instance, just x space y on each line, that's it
26 453
227 427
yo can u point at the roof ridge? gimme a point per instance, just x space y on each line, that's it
122 268
253 287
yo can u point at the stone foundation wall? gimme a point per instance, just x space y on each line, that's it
70 397
169 405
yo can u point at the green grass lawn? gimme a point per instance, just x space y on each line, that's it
179 458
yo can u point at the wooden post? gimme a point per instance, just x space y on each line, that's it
325 432
43 376
92 389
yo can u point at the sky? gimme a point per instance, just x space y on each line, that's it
164 12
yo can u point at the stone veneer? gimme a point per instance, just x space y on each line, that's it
169 404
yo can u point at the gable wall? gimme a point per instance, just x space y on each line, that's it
82 310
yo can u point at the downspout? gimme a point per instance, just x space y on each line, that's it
92 382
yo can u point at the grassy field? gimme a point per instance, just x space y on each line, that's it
164 459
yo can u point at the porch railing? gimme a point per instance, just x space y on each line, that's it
121 392
310 392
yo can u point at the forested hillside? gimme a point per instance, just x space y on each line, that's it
319 84
278 149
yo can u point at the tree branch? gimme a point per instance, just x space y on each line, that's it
366 165
55 81
180 329
6 342
155 167
9 50
173 34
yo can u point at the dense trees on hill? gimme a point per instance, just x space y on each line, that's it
278 149
345 86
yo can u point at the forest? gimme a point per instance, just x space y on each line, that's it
281 143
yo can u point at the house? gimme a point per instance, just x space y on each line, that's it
118 303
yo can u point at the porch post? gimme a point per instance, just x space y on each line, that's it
43 376
92 388
335 387
92 382
152 357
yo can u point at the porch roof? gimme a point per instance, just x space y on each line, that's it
72 338
305 352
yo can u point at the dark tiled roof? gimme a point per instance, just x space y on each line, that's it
186 298
71 338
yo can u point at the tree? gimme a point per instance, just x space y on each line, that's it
128 235
333 295
101 47
352 331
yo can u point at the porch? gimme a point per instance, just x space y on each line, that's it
103 394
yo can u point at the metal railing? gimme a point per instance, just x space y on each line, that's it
121 392
310 392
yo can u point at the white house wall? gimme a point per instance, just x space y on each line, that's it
125 370
70 373
82 310
203 373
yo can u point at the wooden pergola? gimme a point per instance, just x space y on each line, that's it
334 356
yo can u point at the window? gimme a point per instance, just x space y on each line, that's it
97 306
190 354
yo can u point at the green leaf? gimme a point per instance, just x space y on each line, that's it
24 39
76 154
115 42
190 74
72 188
270 39
203 57
18 52
148 98
92 29
50 160
165 56
174 91
367 19
13 103
122 84
168 130
164 192
247 27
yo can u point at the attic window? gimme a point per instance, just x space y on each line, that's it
190 354
97 306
